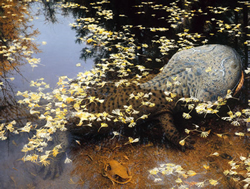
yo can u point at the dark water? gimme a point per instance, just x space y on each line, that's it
151 164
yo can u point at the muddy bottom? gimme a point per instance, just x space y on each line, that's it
152 164
112 162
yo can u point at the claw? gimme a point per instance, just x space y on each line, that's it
188 144
183 149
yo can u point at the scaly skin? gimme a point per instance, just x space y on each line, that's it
204 73
162 110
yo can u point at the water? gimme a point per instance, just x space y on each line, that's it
144 22
58 57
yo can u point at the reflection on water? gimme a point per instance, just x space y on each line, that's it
59 55
146 33
17 174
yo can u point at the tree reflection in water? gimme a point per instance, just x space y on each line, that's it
17 38
122 34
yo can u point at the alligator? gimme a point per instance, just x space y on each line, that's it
203 74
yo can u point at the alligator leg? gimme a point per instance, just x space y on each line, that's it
170 131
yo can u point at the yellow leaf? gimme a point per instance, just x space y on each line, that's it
78 64
206 167
173 95
191 173
67 160
154 171
169 99
45 162
178 181
219 135
182 142
89 40
238 114
69 100
209 69
215 154
103 125
55 152
213 182
186 115
239 134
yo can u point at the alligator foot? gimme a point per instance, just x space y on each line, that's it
172 134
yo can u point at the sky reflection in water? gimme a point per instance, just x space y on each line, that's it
58 57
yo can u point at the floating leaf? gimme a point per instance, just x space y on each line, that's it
191 173
213 182
182 142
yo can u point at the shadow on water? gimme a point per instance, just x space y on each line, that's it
107 161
